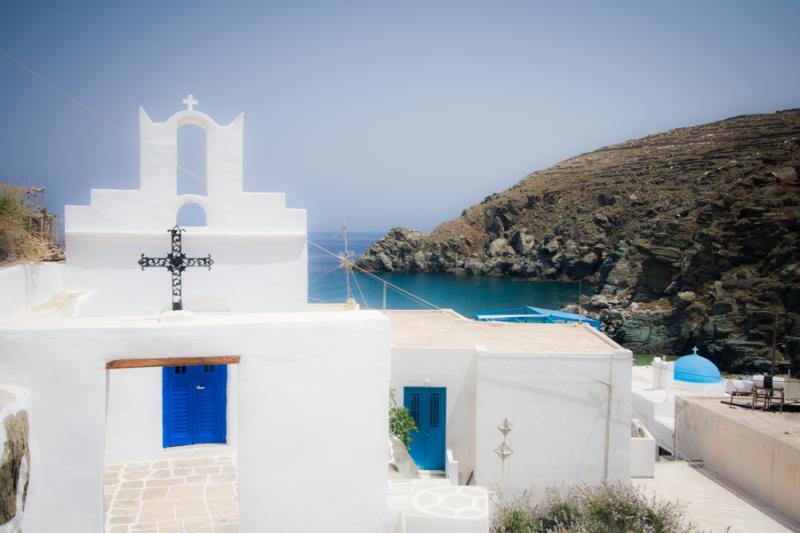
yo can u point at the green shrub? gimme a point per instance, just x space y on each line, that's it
516 515
401 424
613 508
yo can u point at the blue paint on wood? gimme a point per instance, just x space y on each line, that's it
428 408
194 404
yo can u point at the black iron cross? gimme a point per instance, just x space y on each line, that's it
176 262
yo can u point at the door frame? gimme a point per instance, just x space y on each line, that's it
231 424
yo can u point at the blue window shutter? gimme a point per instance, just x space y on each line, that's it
177 409
210 404
194 404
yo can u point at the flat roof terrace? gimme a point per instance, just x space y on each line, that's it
784 427
447 329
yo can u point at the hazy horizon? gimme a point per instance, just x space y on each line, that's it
374 113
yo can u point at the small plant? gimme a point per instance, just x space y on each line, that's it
516 515
613 508
401 424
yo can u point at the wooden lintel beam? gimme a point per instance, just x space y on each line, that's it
173 361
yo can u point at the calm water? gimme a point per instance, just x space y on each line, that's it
465 294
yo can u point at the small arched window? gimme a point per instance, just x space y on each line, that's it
191 215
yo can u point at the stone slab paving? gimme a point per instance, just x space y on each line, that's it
173 496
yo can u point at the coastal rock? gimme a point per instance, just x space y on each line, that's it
522 242
785 174
395 251
691 235
500 247
474 266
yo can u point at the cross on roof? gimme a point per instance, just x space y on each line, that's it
176 262
190 102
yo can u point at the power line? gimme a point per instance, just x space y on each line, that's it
334 269
381 280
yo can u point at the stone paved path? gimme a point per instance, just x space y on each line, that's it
175 496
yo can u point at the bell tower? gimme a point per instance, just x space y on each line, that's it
258 243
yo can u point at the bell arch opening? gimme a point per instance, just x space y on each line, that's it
192 160
191 214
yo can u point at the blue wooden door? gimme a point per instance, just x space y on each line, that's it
194 404
427 406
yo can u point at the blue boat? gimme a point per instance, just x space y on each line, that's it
534 315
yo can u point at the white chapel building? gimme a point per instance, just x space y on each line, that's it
149 343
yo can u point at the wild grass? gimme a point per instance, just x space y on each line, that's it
612 508
18 239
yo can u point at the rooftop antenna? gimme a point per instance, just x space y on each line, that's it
347 265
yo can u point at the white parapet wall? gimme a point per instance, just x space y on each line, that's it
26 285
451 468
643 451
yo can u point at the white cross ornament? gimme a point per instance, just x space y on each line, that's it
190 102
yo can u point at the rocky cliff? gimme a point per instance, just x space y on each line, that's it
691 236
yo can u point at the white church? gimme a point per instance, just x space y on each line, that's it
177 379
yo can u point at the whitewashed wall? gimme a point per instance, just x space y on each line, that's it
255 273
134 418
564 427
312 413
453 369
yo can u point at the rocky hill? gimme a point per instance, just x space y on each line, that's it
691 236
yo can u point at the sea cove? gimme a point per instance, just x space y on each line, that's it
464 294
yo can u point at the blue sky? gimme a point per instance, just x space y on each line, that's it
380 113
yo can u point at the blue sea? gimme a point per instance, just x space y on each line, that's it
465 294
